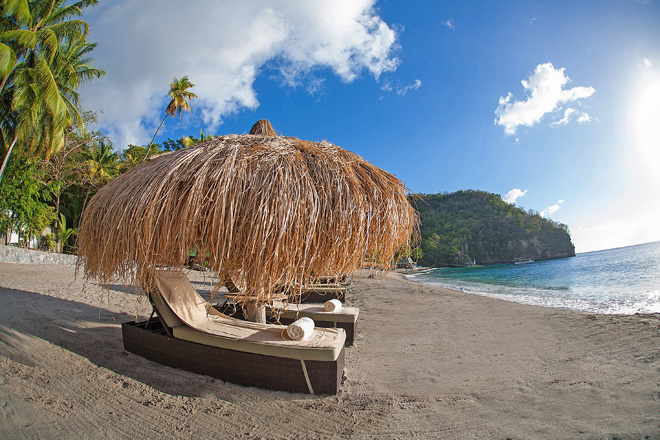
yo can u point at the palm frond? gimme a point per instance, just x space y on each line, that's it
73 29
7 60
19 9
21 37
63 13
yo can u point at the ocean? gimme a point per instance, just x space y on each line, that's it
623 281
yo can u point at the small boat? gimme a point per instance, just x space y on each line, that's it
523 261
474 264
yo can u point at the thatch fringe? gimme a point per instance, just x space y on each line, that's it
265 211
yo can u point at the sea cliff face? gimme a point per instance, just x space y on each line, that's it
461 228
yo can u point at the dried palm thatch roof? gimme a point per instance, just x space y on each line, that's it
267 210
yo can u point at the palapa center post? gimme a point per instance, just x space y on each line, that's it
256 311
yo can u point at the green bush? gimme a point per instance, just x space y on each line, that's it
48 242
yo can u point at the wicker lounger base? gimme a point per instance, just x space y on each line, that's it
153 343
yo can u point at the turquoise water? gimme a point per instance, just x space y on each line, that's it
624 280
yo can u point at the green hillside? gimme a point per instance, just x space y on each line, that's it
457 228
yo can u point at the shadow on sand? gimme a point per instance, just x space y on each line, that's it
95 334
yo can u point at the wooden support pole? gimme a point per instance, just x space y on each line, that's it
256 312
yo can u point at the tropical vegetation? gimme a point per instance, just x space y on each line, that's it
180 95
460 228
44 58
22 205
38 192
51 165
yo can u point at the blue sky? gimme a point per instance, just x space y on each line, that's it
553 105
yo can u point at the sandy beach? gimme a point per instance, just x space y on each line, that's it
428 363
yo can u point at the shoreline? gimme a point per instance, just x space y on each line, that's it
608 300
428 362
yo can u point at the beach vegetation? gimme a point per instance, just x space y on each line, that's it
67 172
24 207
133 155
64 237
102 164
44 58
180 96
175 145
48 242
413 252
189 141
461 227
68 168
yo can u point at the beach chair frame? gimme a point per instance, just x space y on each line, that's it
237 356
150 340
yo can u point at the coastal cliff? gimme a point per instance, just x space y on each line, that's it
466 226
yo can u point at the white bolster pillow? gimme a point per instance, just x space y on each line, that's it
300 329
333 305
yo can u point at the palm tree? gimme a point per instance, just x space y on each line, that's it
103 166
63 233
102 163
180 95
70 67
189 141
43 61
128 162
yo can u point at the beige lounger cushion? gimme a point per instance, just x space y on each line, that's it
205 325
164 311
318 313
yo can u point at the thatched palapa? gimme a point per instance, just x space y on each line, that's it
265 210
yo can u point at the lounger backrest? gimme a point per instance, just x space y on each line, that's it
207 326
164 311
181 296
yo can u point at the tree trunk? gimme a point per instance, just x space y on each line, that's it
256 312
57 201
82 211
58 244
4 163
154 138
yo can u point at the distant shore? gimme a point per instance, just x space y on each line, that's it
428 363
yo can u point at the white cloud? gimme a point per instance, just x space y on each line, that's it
414 86
396 87
449 24
223 46
545 92
566 119
584 117
571 114
551 209
648 62
514 195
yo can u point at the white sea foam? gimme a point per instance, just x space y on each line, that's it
616 281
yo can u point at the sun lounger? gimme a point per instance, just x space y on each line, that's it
320 293
346 318
311 305
313 293
189 334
